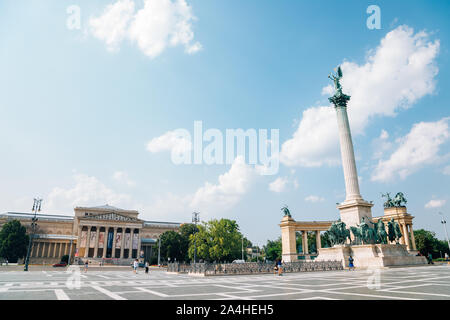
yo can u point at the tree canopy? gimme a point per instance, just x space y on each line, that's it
218 240
13 241
426 242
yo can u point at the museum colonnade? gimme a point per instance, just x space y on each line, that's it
108 242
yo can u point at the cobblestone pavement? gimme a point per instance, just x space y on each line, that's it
425 282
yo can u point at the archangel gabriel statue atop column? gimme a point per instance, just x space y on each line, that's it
339 98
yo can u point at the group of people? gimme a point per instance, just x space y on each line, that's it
135 266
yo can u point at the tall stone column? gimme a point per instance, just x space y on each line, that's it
347 155
406 236
54 249
289 246
318 241
354 207
305 242
88 238
413 239
113 250
96 243
105 242
122 243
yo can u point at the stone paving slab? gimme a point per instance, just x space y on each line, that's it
431 282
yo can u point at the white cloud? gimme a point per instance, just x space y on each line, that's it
381 144
231 186
112 25
279 184
418 148
314 199
173 141
157 25
87 191
435 203
400 71
123 177
315 141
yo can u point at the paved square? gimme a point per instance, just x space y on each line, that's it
426 282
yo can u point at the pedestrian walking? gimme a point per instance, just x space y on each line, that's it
135 265
86 265
279 267
350 264
430 258
146 266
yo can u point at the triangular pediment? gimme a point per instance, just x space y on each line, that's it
111 216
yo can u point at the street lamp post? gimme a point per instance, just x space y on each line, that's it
36 207
242 247
159 251
444 223
195 219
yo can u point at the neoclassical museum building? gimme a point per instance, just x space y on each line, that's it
103 233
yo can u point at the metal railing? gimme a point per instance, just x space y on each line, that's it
253 267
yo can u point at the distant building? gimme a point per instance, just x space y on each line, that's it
103 233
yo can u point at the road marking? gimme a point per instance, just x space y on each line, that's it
61 295
108 293
153 292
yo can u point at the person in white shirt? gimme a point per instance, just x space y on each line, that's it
135 265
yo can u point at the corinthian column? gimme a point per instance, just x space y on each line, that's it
354 208
347 155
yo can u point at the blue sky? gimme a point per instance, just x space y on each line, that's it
78 112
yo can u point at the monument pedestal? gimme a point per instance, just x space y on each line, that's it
371 255
353 211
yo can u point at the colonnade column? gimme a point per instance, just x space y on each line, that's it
54 250
105 242
96 242
113 249
138 253
305 242
318 242
413 240
122 243
86 250
406 236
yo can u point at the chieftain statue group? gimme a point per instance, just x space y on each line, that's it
368 232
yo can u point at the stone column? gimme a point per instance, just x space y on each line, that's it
54 250
96 242
105 241
305 242
318 242
406 236
348 155
413 239
86 251
122 243
288 239
138 253
113 249
60 249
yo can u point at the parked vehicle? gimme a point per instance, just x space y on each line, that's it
60 264
238 261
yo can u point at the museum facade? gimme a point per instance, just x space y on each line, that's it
99 234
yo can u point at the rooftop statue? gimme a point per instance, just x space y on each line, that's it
398 201
286 211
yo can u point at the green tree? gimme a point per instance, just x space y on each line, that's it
13 241
426 242
185 231
217 240
272 249
171 246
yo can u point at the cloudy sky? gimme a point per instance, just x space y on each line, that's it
94 91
